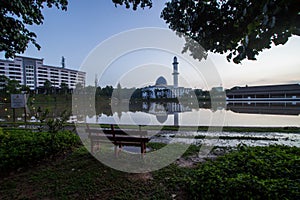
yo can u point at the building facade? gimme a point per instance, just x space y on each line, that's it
288 92
33 73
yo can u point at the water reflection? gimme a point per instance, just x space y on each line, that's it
230 139
265 107
162 109
238 113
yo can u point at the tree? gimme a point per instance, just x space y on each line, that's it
118 94
242 28
9 86
3 82
64 88
13 87
15 16
107 91
47 86
25 89
134 3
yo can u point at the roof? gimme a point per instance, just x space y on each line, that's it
264 89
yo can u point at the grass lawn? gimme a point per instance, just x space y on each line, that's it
271 172
80 176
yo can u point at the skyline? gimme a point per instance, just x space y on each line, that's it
76 32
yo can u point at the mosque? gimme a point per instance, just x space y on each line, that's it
162 90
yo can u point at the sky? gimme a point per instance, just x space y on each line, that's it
76 33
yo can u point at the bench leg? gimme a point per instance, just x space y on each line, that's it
143 148
95 146
116 151
92 146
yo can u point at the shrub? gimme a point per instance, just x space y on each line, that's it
20 148
251 172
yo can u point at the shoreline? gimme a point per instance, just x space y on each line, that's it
268 129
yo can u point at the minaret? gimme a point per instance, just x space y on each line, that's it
175 72
63 62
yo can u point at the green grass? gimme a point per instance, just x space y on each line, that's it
80 176
246 173
251 172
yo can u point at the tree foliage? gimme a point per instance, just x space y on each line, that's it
134 3
15 16
9 86
240 28
64 87
48 86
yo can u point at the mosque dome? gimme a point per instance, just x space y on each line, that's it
161 81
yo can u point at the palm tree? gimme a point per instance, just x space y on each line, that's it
64 88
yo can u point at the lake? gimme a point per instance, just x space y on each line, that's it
248 114
262 114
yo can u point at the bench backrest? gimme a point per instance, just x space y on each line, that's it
114 132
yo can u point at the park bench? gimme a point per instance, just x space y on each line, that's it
118 137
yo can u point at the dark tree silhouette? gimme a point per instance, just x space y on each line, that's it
64 87
133 3
240 28
48 86
15 17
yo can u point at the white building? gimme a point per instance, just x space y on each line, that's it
33 73
162 90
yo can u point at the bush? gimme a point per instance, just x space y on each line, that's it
19 148
251 172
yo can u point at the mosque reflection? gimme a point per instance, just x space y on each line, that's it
163 110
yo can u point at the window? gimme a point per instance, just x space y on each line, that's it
42 72
29 67
41 75
16 73
14 69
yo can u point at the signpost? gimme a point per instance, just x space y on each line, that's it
18 101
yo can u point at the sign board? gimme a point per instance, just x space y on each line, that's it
18 100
